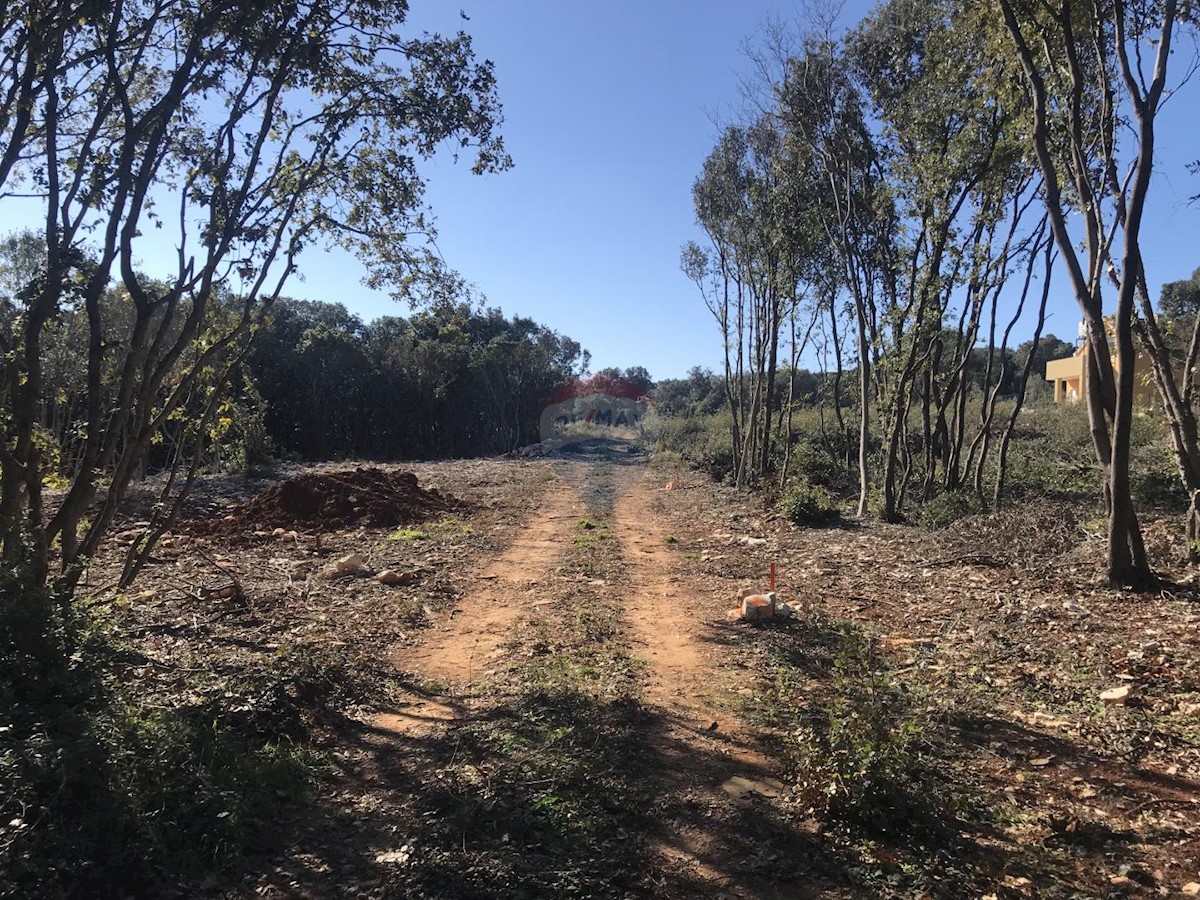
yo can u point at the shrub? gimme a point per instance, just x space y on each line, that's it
947 508
858 758
702 441
804 503
822 462
104 791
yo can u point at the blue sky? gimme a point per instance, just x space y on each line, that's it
609 115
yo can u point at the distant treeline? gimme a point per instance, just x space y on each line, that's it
453 381
702 391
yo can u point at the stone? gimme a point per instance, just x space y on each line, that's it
391 578
353 564
1116 696
394 857
741 788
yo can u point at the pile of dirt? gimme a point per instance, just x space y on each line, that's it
327 501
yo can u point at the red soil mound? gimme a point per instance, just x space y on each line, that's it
327 501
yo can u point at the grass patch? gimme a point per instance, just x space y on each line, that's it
409 535
454 525
590 534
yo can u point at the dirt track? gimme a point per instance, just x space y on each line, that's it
557 705
672 623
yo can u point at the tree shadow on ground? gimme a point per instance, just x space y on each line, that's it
551 793
947 829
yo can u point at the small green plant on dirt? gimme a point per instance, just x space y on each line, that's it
409 535
453 524
671 539
947 508
805 503
592 533
859 756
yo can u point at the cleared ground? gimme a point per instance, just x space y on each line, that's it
556 703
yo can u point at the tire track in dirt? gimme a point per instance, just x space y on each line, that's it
671 615
706 754
469 637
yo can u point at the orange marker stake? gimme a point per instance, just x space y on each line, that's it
772 576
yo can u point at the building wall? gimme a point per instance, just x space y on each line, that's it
1069 376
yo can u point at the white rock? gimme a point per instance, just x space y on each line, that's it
352 564
1116 696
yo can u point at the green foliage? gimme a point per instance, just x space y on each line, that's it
821 460
859 756
805 503
408 535
946 508
701 393
454 381
1181 299
1052 456
704 442
103 791
1049 347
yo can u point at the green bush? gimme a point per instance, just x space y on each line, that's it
822 462
804 503
947 508
704 442
858 758
1052 455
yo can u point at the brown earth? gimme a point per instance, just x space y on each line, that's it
560 706
327 501
465 640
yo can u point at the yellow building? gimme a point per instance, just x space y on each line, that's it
1069 377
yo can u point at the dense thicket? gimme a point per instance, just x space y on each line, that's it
451 381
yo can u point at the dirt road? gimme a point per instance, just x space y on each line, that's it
554 704
601 539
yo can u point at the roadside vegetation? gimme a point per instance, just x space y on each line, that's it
189 689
